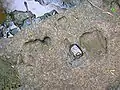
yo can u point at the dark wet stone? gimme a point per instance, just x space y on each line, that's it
10 29
1 32
43 2
53 12
21 19
14 31
46 15
68 4
26 22
20 16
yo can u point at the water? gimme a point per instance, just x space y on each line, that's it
33 6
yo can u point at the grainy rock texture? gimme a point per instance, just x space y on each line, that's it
9 77
40 52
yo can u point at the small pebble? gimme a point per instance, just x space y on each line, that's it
76 51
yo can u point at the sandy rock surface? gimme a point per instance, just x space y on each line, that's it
40 52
